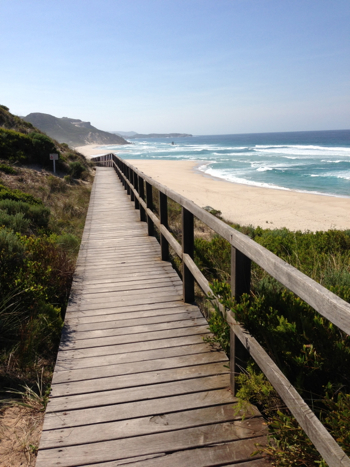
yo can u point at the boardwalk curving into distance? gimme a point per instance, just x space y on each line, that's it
134 382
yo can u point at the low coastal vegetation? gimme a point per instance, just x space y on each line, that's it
41 222
312 352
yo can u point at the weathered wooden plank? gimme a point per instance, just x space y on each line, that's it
111 331
120 294
135 285
135 276
144 408
93 384
149 309
141 426
131 277
121 253
171 441
143 337
157 312
132 347
138 367
120 303
124 263
75 325
67 361
202 457
118 396
118 270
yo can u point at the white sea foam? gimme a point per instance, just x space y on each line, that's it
248 164
332 161
264 169
303 146
229 177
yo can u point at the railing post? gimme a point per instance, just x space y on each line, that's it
128 190
136 186
121 168
125 175
187 248
149 201
240 284
131 180
163 216
142 195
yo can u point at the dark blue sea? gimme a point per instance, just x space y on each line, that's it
310 161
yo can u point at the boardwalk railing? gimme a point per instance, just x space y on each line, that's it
243 251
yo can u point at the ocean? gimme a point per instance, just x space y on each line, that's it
310 161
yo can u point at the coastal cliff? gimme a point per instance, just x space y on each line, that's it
72 131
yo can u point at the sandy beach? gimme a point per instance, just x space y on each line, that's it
242 204
91 150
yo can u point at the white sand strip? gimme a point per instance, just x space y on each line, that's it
247 205
242 204
91 150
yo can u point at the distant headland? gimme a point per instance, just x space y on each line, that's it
72 131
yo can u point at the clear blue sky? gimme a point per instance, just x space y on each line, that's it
196 66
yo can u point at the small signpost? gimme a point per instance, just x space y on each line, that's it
54 158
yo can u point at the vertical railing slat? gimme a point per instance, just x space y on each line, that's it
163 217
240 284
131 180
136 186
143 217
187 248
149 202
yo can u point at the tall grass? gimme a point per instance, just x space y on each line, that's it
39 242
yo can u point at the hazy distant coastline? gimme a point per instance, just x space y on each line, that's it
133 134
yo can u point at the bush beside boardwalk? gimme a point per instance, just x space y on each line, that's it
41 222
312 352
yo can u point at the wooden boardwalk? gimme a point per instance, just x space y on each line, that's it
134 382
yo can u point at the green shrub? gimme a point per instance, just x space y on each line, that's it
38 216
48 268
10 243
68 179
32 147
43 146
76 169
17 195
15 146
213 257
12 254
56 184
312 352
221 332
69 243
11 317
16 222
7 169
40 332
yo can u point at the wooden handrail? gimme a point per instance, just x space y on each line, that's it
244 250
